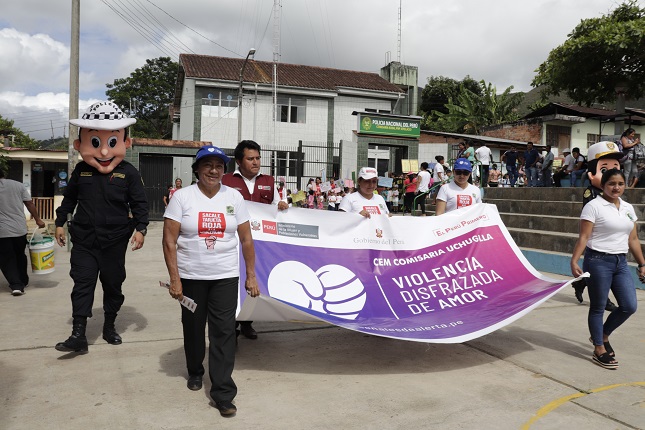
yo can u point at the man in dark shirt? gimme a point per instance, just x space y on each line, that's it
103 189
510 158
531 157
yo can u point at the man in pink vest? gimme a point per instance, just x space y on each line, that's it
253 186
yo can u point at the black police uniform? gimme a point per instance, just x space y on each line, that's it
101 230
590 193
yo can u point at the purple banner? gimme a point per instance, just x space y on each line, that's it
469 280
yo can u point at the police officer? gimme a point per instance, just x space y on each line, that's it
104 189
602 156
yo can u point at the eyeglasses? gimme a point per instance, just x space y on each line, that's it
462 172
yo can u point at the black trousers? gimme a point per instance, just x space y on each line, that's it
216 303
91 262
13 261
408 200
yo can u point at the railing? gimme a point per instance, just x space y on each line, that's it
45 207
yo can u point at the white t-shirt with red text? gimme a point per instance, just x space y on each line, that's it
456 197
355 203
207 242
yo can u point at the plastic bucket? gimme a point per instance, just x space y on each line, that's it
41 251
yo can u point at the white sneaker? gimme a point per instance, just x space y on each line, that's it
17 293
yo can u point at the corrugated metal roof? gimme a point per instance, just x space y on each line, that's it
476 138
291 75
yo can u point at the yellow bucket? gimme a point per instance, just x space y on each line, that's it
41 252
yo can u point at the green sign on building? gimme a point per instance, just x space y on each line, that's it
389 126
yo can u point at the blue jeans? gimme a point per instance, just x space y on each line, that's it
608 271
532 175
511 169
577 174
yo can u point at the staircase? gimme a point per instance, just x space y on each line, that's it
544 222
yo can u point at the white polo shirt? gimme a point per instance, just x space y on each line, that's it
612 225
355 202
457 197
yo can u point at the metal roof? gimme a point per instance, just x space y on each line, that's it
477 138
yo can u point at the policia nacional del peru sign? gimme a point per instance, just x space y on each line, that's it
389 126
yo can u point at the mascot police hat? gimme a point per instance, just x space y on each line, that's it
103 115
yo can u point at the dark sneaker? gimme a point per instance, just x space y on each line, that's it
610 306
579 287
194 383
226 408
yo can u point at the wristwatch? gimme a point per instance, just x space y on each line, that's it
641 265
143 232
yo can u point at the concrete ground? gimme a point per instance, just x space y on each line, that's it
535 373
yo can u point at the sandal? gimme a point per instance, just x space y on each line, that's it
605 360
608 347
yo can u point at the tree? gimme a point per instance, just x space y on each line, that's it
20 139
437 93
599 56
471 110
147 95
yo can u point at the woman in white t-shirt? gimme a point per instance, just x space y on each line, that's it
458 193
439 173
363 201
607 233
200 249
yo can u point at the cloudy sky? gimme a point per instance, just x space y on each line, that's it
500 41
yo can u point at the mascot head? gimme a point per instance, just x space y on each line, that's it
601 157
103 136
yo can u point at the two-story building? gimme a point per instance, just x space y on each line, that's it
309 121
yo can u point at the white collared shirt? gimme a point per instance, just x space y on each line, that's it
611 225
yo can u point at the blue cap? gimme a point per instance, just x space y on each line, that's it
211 151
463 164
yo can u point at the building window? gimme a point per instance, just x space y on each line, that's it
284 163
592 138
291 109
220 104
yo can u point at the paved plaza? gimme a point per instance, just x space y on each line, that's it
536 373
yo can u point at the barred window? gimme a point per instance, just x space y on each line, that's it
291 109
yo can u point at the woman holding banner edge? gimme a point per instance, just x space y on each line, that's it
458 193
363 201
607 233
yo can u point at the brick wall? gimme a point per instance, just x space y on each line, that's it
520 131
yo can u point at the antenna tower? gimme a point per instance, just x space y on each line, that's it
398 42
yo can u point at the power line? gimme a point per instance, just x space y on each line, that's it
194 31
166 29
132 24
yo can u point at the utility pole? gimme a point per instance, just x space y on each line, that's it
72 156
277 5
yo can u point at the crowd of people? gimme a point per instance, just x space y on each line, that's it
206 222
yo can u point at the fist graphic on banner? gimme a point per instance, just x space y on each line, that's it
332 289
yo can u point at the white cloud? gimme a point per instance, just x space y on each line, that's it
501 41
40 115
32 62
